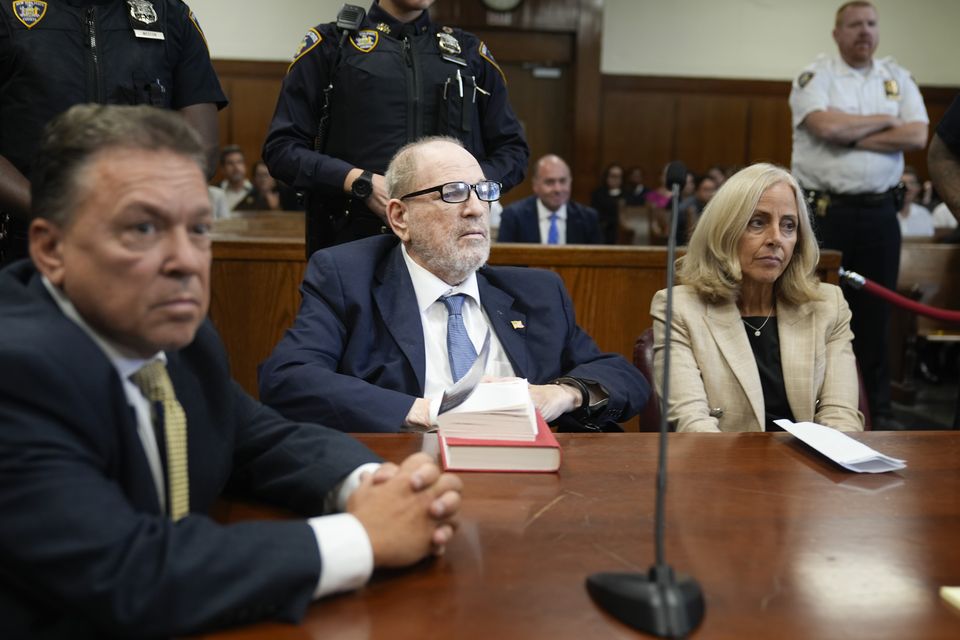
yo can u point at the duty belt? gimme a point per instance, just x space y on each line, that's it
819 201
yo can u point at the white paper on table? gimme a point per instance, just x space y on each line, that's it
841 448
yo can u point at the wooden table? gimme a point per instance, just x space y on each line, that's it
784 544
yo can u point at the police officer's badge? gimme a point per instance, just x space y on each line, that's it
143 11
804 78
365 40
892 89
29 13
447 43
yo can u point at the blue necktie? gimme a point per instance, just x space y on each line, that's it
460 350
553 236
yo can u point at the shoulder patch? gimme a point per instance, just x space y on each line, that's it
804 79
487 55
196 23
365 40
29 12
310 40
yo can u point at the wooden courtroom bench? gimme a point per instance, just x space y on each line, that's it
256 276
929 273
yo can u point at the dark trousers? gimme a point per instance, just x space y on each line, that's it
332 221
869 237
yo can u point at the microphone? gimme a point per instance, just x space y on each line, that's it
660 602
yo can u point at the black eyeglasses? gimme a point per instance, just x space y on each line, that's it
454 192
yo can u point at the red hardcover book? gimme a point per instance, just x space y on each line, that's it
541 455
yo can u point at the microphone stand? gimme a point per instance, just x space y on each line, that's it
660 602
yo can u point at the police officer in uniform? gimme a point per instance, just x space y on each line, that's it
57 54
355 94
853 117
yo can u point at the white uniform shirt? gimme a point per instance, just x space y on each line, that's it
943 218
885 88
918 222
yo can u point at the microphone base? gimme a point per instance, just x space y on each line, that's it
659 603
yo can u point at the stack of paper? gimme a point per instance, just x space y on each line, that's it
501 410
841 448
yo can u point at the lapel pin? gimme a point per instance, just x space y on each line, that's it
517 324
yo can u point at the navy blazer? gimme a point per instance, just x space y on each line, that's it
519 222
355 357
84 549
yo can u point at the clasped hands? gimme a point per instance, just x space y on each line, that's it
409 511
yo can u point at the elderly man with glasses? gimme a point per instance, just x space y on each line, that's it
388 323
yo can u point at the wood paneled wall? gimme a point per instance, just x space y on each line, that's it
635 120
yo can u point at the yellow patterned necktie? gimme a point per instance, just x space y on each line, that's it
156 386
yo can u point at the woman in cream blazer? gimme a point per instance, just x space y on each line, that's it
755 336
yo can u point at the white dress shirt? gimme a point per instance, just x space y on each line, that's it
829 83
543 214
345 552
433 318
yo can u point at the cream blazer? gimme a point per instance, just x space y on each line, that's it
714 380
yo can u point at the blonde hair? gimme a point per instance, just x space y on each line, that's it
712 264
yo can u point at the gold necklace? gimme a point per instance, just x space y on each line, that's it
756 330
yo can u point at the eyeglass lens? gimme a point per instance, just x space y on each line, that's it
454 192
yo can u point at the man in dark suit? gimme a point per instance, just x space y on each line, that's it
550 216
121 426
369 345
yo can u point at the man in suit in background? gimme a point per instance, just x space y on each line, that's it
121 425
549 216
369 347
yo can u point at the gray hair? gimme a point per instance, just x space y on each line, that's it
74 137
401 174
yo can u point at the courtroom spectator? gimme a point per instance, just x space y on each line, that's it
369 347
915 220
691 208
235 184
718 173
550 216
755 336
121 425
943 218
218 202
853 116
635 191
268 194
661 195
606 199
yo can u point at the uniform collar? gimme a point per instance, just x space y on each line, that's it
376 16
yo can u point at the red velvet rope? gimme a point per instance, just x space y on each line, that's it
945 315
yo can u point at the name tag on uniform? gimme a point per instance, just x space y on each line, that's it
150 35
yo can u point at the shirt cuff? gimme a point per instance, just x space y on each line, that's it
346 557
348 485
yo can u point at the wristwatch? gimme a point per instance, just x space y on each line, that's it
362 187
586 410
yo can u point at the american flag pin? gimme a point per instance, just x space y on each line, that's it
517 324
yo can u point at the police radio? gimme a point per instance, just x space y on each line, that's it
348 21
